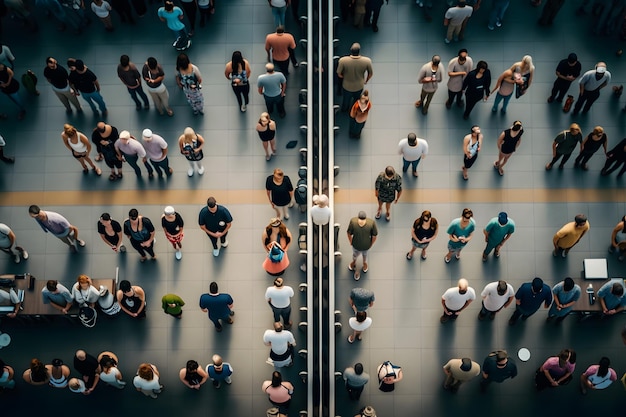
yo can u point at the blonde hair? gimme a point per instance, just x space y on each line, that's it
69 130
598 131
189 134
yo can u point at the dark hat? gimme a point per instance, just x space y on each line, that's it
537 284
362 215
503 218
57 362
571 58
466 364
79 64
580 219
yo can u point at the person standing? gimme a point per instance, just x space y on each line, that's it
592 143
564 144
279 393
279 9
190 8
320 212
83 81
362 233
272 86
8 244
556 370
566 71
219 371
564 296
190 144
156 152
505 86
89 369
354 71
476 85
497 367
57 296
430 75
153 75
280 47
80 147
569 235
458 68
361 299
266 128
497 232
110 232
471 146
57 76
497 13
597 376
618 239
614 158
173 16
508 142
425 230
218 305
140 231
172 304
529 298
192 375
189 79
459 371
58 225
104 137
215 220
456 299
372 10
147 380
130 150
278 297
496 296
238 71
279 190
412 149
172 224
102 9
6 376
388 189
128 73
460 232
358 114
612 298
10 86
455 19
590 85
281 343
356 380
359 323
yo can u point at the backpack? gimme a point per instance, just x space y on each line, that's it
276 254
88 316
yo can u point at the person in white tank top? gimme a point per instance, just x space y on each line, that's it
80 147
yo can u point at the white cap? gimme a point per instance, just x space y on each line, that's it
169 210
147 134
124 134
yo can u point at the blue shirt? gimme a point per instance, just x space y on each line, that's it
271 83
497 232
216 304
611 300
227 371
530 301
172 18
456 230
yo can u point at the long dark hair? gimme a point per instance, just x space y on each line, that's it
182 62
420 220
237 61
277 379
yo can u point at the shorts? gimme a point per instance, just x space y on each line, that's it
79 155
419 245
356 253
454 250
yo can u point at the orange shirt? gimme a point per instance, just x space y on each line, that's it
280 43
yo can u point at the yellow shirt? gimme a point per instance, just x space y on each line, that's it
569 234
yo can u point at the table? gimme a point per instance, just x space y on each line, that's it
583 306
596 269
33 305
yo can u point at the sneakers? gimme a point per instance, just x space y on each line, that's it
350 339
269 361
190 172
81 243
201 170
179 255
216 252
24 253
243 108
225 244
17 259
286 217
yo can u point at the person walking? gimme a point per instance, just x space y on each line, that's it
239 72
59 226
359 323
614 158
278 297
564 144
590 85
173 17
472 143
508 142
189 79
497 232
218 305
355 380
358 115
354 72
280 47
266 128
272 86
388 189
279 190
566 72
592 143
362 233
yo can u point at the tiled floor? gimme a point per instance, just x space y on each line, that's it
406 329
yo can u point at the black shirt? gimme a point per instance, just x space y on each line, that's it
57 76
83 82
565 69
173 228
13 85
87 367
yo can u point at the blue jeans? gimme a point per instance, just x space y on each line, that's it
161 166
133 94
132 161
279 15
497 12
15 98
278 101
414 164
497 101
95 96
356 128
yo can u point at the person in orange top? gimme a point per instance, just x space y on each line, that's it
358 114
281 44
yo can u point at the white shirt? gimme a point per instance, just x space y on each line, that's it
492 300
456 15
102 10
359 327
280 341
279 296
320 215
412 153
454 300
143 384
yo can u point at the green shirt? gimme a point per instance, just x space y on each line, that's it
362 236
497 232
172 299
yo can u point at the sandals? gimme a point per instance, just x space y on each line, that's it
387 216
112 177
378 213
409 256
98 171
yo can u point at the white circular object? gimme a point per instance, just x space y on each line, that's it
5 339
523 354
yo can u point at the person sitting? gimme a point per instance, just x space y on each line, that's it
84 293
612 299
597 376
10 298
37 373
6 376
556 371
57 296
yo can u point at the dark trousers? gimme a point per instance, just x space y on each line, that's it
349 98
278 101
611 164
214 240
470 102
283 66
583 158
285 313
558 155
373 12
355 128
550 11
140 7
468 162
587 98
452 95
191 11
559 89
132 161
142 250
122 7
354 392
519 313
161 166
242 92
138 91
